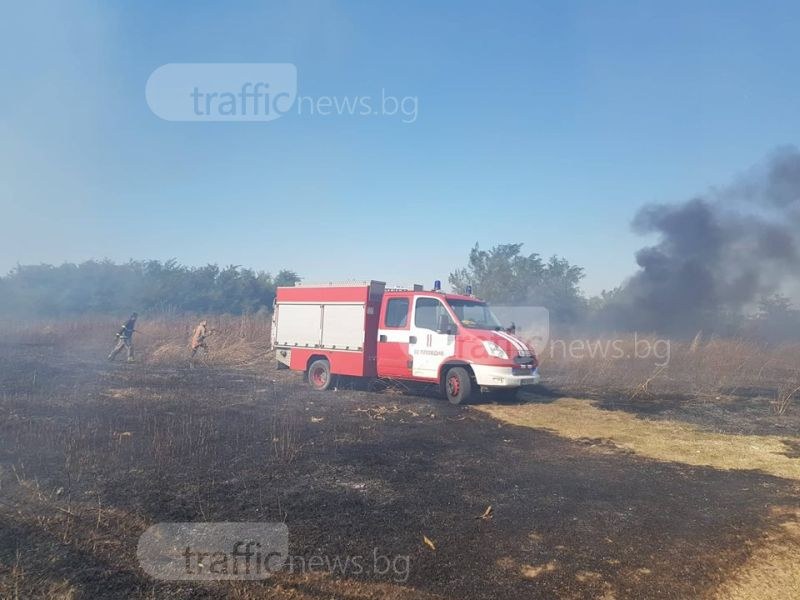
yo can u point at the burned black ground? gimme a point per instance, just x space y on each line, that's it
92 453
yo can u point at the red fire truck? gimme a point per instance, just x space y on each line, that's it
369 330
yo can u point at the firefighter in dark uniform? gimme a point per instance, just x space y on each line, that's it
125 338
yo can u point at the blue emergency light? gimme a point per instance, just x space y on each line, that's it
469 290
437 285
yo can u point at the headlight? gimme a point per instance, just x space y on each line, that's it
494 350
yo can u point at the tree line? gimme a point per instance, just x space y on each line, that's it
505 275
502 274
149 285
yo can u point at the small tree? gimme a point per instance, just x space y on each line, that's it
503 275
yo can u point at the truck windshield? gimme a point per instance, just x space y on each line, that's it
474 315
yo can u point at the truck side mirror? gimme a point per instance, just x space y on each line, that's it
445 325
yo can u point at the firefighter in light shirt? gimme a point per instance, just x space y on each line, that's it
201 332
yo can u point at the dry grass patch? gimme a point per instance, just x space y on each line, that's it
772 571
533 571
661 440
237 341
642 367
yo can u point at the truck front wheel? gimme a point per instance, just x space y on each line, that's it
319 374
457 385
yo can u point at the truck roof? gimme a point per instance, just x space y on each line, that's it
355 290
444 295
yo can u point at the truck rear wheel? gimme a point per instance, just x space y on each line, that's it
319 374
457 385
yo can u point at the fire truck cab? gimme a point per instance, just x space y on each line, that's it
368 330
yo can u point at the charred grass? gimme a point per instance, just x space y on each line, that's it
93 453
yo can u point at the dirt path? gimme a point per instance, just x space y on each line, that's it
351 473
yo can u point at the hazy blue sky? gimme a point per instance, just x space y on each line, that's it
543 123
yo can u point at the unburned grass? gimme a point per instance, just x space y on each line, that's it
661 440
772 571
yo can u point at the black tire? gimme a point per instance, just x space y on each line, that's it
319 374
457 385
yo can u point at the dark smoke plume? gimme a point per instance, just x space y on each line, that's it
718 254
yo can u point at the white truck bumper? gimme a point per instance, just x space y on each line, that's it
503 377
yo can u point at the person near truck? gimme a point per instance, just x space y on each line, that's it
125 338
198 341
